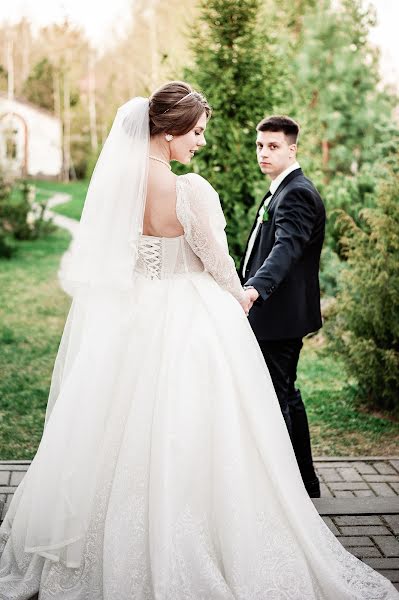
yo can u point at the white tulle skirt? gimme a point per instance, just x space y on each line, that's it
166 472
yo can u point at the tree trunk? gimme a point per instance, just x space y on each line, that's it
152 23
10 68
92 104
56 93
67 127
25 50
326 153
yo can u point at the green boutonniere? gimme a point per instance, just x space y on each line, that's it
266 216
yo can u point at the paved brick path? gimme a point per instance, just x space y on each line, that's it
359 503
359 478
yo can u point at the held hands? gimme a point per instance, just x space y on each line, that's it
250 296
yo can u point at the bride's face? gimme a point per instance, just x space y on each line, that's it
183 147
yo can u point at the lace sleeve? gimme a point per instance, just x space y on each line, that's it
199 212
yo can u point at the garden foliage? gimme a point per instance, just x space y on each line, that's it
242 86
365 326
21 216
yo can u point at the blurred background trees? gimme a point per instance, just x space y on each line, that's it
311 59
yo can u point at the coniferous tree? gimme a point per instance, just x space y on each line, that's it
236 69
346 116
365 328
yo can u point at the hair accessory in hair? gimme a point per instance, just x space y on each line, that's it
168 137
178 102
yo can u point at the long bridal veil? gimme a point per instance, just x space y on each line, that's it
60 486
113 212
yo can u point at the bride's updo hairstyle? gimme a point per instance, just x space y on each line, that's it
175 108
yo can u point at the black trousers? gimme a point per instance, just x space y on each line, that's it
282 357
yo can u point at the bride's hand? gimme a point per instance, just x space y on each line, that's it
245 304
250 296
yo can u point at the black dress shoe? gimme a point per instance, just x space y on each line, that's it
313 488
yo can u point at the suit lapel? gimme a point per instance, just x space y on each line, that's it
278 191
283 184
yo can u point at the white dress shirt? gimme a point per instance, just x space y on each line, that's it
273 187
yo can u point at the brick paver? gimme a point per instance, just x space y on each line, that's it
370 477
374 538
361 535
372 535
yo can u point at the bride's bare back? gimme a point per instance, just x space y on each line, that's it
160 218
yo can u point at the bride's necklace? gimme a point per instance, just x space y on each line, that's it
161 161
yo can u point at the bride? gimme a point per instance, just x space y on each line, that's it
162 473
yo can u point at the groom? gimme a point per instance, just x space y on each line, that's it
280 272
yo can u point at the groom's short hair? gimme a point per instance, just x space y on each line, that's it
288 126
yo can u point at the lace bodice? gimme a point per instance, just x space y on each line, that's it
203 245
162 258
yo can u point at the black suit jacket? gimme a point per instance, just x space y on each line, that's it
284 263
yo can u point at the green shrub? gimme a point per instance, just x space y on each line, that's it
351 194
22 217
330 268
7 243
365 327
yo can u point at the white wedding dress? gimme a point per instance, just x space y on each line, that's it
197 494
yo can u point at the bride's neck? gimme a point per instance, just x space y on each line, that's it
160 149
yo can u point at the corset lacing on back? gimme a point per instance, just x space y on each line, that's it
150 253
163 258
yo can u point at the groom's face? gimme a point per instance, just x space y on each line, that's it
274 151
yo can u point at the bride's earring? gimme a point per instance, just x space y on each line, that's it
168 137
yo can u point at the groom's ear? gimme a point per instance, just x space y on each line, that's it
293 149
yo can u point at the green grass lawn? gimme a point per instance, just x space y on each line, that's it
77 189
32 315
339 426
